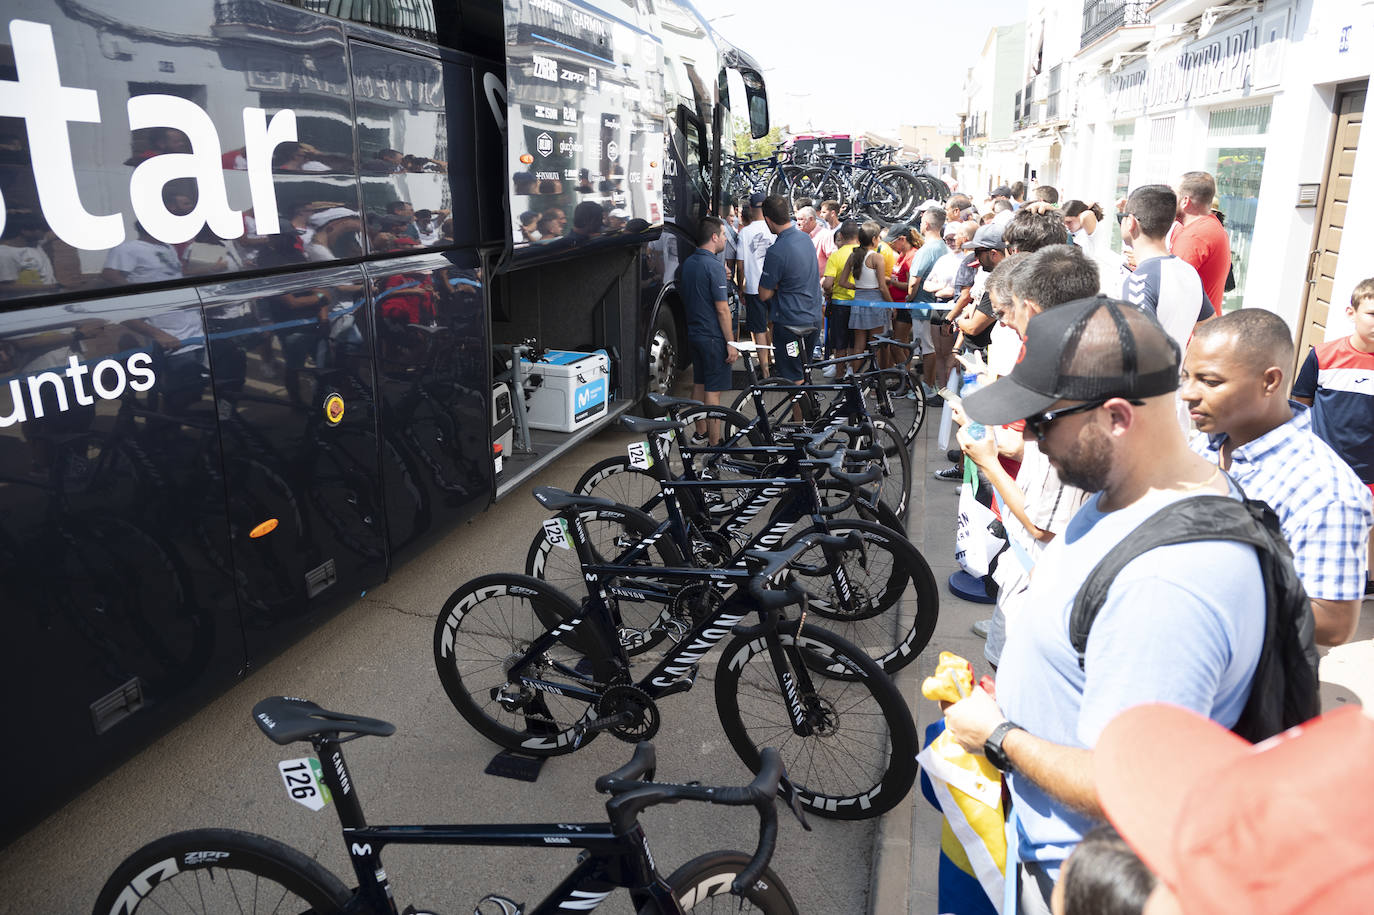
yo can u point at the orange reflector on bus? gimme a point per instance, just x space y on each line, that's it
263 529
526 159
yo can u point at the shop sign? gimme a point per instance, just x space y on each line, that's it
1242 58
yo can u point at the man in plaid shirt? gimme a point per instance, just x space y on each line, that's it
1235 385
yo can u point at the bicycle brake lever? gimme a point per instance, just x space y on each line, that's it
789 794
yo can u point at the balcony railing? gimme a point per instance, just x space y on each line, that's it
1103 16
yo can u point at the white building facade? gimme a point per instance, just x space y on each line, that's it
1267 96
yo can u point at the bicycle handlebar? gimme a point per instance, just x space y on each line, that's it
632 796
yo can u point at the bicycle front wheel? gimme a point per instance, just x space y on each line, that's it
882 596
703 885
485 628
219 870
858 757
896 461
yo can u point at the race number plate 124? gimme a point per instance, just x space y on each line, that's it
303 782
640 458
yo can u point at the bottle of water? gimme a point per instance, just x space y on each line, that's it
974 430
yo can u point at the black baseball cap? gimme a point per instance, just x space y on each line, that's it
756 199
1088 349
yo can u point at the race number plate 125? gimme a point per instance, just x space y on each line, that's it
303 782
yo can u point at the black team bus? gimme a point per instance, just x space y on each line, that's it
288 288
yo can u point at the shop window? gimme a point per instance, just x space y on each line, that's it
1124 133
1238 171
1123 188
1252 120
1161 149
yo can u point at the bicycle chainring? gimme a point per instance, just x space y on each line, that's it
621 698
695 603
710 549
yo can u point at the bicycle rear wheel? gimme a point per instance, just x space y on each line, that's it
896 462
490 623
703 885
859 759
611 533
219 870
776 394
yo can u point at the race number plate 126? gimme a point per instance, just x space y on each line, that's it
303 782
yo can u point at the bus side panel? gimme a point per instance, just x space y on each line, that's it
118 601
298 420
433 363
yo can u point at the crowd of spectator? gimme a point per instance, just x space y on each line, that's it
1112 386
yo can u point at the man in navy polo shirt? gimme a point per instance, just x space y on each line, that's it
710 333
791 284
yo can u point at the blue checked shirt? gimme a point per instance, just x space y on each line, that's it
1324 510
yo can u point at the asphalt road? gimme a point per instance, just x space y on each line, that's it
375 659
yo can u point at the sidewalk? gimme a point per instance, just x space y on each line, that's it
907 847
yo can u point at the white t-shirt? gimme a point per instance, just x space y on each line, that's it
944 270
754 242
1098 246
25 266
143 261
1003 350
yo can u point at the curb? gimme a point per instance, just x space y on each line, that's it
890 886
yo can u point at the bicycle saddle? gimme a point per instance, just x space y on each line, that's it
286 720
664 402
557 499
647 426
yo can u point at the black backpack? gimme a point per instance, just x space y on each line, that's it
1283 692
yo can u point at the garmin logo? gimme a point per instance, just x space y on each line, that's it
107 381
46 106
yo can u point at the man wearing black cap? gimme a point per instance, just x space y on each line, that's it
989 249
1182 624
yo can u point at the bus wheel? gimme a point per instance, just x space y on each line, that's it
663 353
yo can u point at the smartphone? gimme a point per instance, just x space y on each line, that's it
950 397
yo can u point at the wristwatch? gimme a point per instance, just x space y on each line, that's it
992 747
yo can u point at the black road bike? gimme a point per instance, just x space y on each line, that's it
536 672
880 595
225 870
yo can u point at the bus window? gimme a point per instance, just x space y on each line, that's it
584 110
404 106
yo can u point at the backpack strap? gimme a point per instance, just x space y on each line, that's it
1204 517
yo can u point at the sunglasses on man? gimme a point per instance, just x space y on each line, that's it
1038 423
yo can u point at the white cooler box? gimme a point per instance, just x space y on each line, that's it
574 392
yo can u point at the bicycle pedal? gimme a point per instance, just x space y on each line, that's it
682 683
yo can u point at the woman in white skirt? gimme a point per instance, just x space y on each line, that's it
866 273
